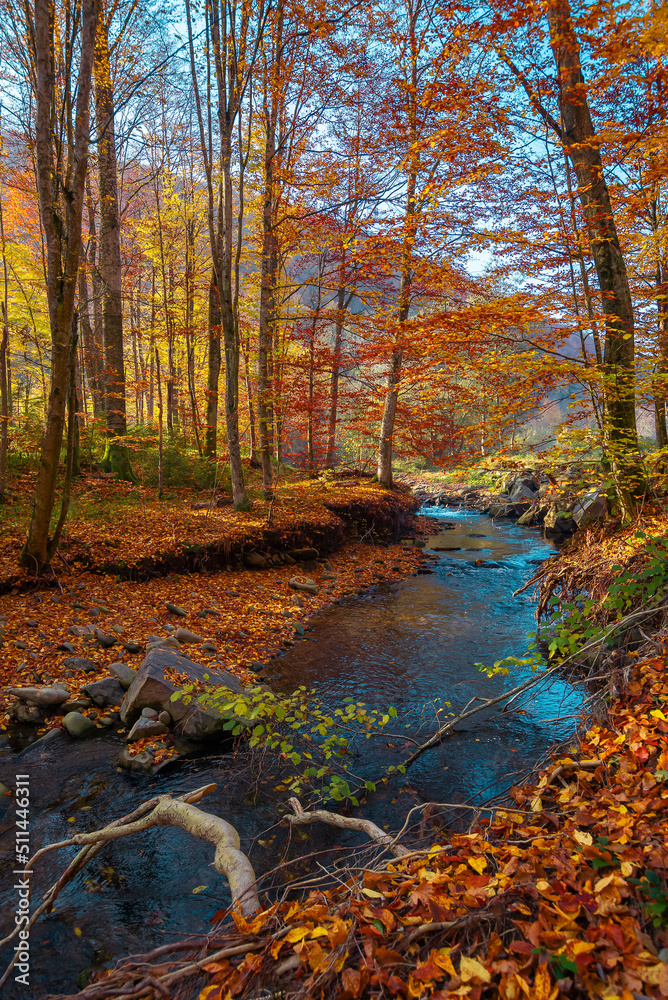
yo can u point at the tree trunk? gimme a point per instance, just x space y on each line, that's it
213 371
583 148
4 353
110 240
61 175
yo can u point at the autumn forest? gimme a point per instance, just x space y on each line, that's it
333 340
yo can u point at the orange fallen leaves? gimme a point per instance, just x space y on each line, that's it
544 904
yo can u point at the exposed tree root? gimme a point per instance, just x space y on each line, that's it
302 818
161 810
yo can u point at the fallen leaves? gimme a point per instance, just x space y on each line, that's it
568 900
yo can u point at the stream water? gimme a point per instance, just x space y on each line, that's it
411 644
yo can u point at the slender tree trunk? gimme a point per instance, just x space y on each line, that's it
583 148
330 460
4 354
110 240
160 448
213 371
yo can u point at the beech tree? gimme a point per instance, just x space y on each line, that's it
58 41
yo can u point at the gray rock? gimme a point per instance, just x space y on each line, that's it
255 561
209 647
106 641
165 718
105 692
78 725
559 522
523 489
75 705
328 576
150 688
78 630
175 609
166 641
297 601
80 663
118 629
132 647
33 714
304 555
106 720
149 713
65 647
125 675
592 507
142 762
44 696
304 583
146 727
185 635
39 744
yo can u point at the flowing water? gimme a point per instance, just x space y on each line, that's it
411 644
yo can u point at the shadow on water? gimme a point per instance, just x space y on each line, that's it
411 644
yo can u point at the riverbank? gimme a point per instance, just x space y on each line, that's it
561 894
234 619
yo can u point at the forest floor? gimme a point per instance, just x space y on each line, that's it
560 893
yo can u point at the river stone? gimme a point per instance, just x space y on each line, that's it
150 689
209 647
304 583
185 635
176 609
146 727
149 713
125 675
65 647
118 629
78 725
165 641
105 692
165 718
45 696
33 714
592 507
297 601
559 522
255 561
142 762
523 489
328 576
132 647
75 705
40 743
304 555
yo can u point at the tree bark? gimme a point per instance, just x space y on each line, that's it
213 371
583 147
61 175
110 239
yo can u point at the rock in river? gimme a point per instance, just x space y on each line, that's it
78 725
150 688
146 727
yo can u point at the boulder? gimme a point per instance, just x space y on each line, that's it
304 583
304 555
150 688
522 491
105 692
125 675
44 696
501 510
185 635
592 507
146 727
78 725
36 715
559 522
255 561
